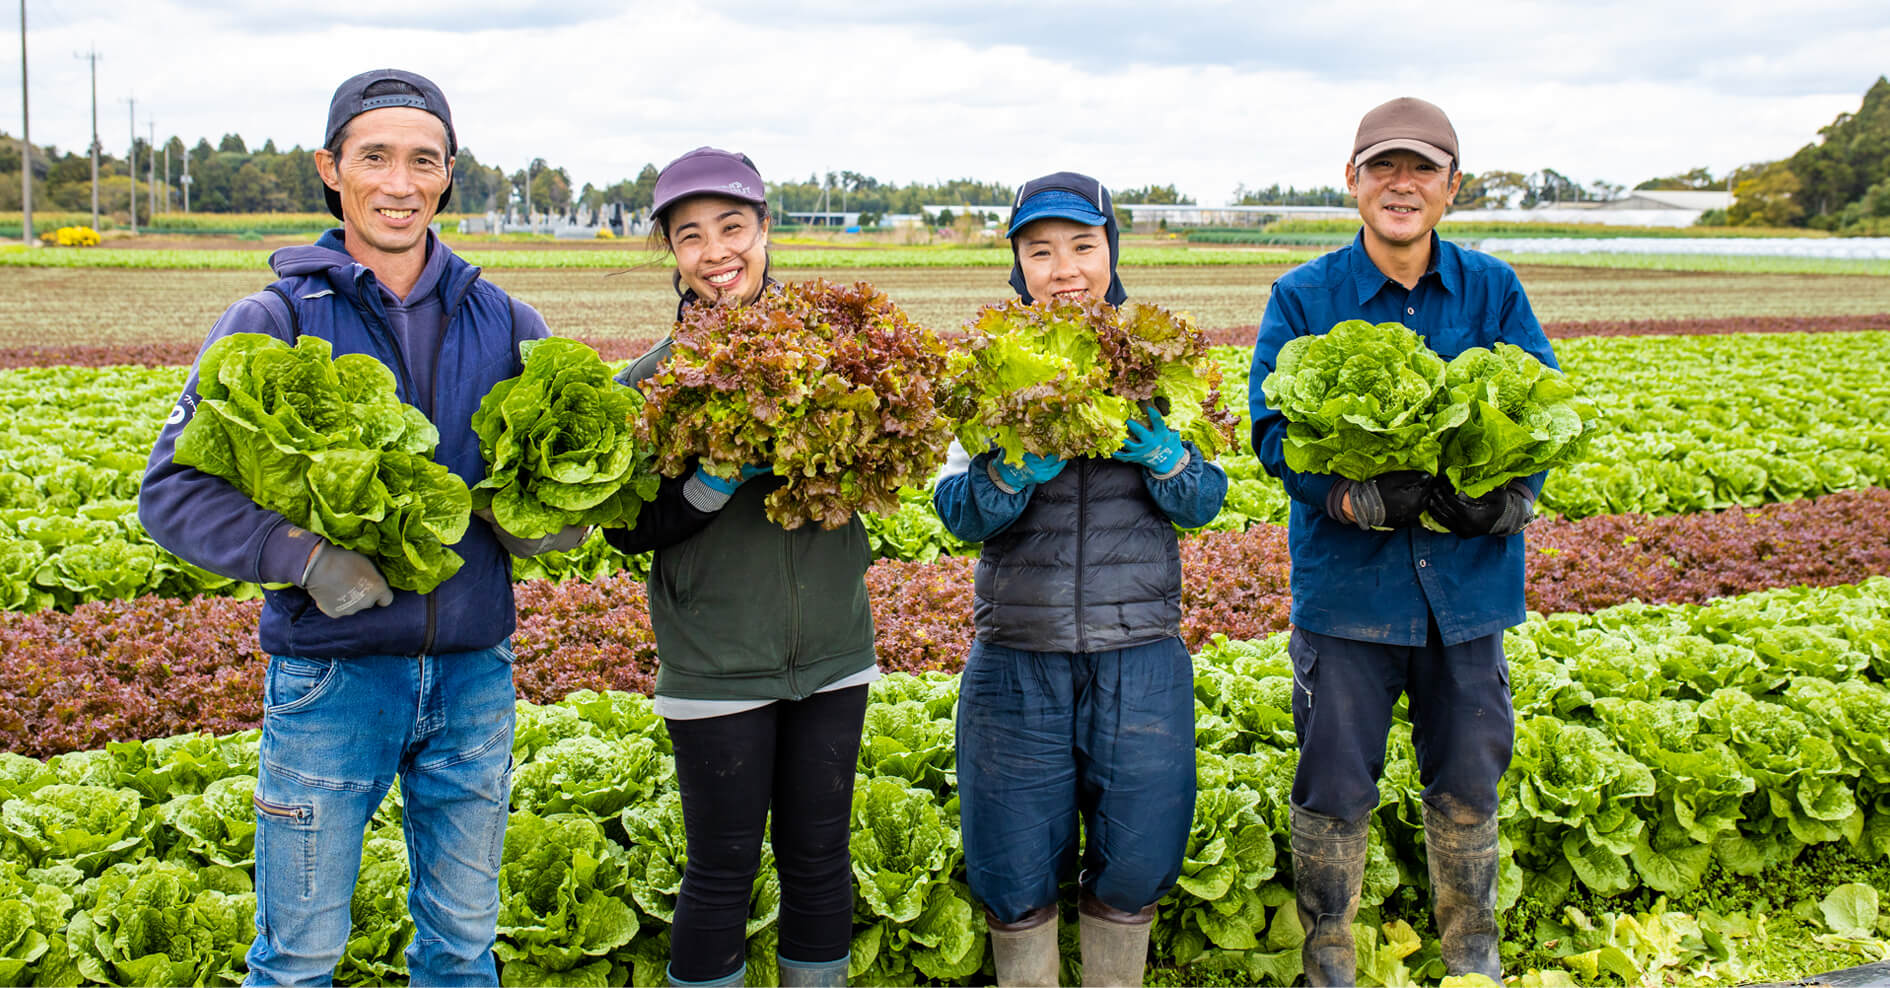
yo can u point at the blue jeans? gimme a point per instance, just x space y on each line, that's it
1461 721
336 732
1046 738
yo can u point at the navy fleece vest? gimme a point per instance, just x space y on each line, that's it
474 608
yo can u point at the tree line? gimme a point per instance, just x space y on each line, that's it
1839 182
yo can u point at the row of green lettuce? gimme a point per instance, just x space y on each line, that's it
1653 744
1688 424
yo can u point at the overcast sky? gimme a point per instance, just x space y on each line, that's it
1200 93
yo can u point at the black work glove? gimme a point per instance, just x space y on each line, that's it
1502 512
563 540
1389 500
343 582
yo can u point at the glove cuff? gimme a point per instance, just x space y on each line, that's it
703 495
1174 471
1368 506
1519 509
309 567
997 477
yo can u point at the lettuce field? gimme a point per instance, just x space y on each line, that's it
1701 787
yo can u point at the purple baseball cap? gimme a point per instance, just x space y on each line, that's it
708 171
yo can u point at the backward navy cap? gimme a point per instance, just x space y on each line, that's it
378 89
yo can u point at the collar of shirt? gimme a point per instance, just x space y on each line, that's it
1445 265
426 284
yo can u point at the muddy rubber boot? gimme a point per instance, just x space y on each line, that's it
1026 951
804 974
1328 873
1463 892
1114 943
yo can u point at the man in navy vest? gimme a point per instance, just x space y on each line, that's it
366 683
1382 605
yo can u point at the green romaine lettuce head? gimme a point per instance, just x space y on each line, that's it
1063 379
559 442
328 445
831 384
562 901
1360 400
159 923
1520 417
87 827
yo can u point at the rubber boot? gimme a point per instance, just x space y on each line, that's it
1463 891
734 980
806 974
1115 943
1026 951
1328 874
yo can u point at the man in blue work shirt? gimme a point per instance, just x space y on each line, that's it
1382 605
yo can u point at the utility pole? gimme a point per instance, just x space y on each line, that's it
26 145
92 56
167 176
131 164
150 182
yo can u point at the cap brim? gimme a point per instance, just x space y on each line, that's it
1431 152
1027 216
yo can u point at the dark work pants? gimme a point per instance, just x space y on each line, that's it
1046 739
1461 721
798 757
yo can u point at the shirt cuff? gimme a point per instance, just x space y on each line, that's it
285 554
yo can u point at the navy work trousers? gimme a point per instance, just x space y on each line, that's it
1048 738
1462 722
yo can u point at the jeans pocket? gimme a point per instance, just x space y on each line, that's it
294 683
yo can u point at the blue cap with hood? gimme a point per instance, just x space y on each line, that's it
1069 195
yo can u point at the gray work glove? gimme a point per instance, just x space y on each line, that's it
343 582
563 540
1389 500
1502 512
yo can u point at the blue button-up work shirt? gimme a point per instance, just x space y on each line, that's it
1386 587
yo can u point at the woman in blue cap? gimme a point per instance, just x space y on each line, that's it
1077 699
766 642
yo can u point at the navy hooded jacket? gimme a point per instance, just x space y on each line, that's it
322 292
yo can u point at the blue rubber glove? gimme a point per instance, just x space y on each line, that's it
727 485
1154 446
1036 470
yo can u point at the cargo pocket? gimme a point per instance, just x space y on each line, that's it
1305 659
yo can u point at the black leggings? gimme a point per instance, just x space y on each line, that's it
798 756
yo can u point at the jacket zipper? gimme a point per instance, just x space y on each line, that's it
1082 535
426 643
794 614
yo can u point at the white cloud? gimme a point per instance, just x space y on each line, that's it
1201 93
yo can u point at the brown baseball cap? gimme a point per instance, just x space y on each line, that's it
1410 124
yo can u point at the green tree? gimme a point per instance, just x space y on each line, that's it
1851 155
1157 195
1770 199
1489 190
1700 178
233 142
